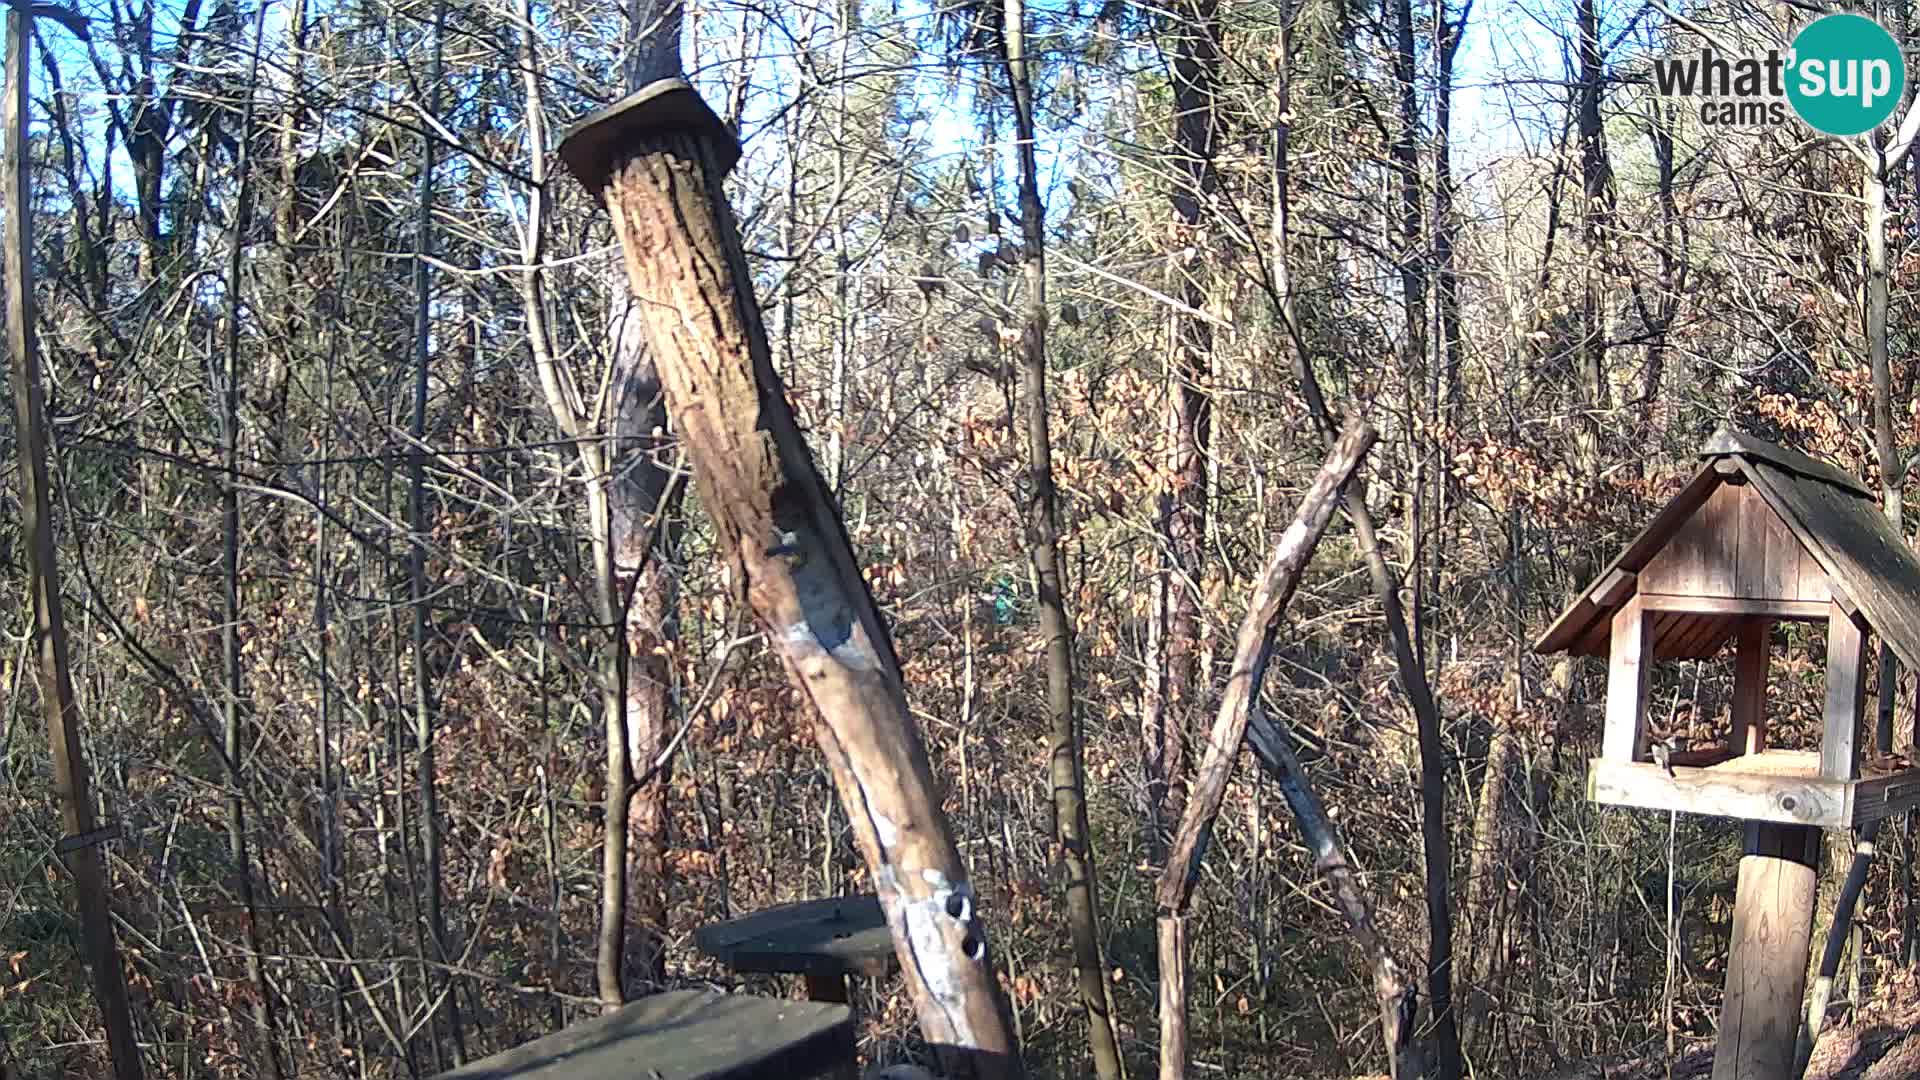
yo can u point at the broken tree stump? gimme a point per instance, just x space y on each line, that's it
657 159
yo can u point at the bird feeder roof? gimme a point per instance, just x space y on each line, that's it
1829 512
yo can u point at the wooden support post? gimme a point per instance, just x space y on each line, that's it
1750 686
1767 963
1628 660
657 159
1846 685
827 988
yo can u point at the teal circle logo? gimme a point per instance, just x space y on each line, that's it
1848 75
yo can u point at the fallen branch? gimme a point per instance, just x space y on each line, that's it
1399 998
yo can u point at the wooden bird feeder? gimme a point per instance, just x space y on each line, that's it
1761 534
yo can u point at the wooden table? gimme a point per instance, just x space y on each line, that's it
822 940
686 1035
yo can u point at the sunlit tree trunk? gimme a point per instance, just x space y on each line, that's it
1173 629
1066 767
70 776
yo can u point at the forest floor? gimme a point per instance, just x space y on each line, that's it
1882 1043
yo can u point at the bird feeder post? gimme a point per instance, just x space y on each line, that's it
1767 957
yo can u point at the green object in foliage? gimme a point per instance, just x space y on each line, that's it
1004 604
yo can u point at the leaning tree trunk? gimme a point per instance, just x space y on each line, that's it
1393 990
658 159
1182 873
1066 767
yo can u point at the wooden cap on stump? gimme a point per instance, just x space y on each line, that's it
595 142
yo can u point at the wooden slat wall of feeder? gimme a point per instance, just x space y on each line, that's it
1760 535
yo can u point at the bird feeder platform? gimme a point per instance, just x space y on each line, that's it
1780 786
686 1035
824 941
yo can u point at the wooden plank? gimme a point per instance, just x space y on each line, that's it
1766 550
1804 764
1803 610
1720 792
1595 641
839 935
1628 661
1678 568
1716 531
1767 960
685 1035
1700 757
1846 678
1752 640
1780 573
1668 628
1705 636
1813 583
1886 796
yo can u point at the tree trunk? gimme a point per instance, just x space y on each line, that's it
235 728
1672 266
783 537
417 524
1255 642
1886 449
1173 629
643 508
1448 389
1066 770
1396 994
570 416
1413 678
80 849
642 511
1596 183
1486 904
